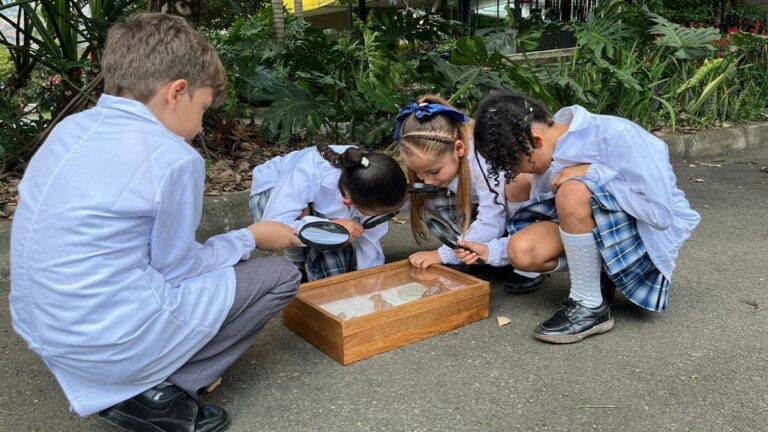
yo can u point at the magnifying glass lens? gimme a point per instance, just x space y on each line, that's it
443 232
446 234
324 235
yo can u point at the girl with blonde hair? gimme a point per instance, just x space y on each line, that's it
436 145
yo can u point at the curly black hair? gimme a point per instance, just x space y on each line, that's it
503 130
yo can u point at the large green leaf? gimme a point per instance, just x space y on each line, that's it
300 111
685 43
472 51
606 29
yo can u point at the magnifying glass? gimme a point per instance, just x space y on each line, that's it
324 235
447 235
419 188
378 220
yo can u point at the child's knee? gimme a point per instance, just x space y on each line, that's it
287 276
521 253
573 200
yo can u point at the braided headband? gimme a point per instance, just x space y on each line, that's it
425 111
442 139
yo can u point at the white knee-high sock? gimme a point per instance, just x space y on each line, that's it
584 262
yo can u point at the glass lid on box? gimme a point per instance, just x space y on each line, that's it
362 296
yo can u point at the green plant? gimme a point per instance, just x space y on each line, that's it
60 41
6 65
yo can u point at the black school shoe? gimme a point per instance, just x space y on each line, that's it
519 284
572 322
165 408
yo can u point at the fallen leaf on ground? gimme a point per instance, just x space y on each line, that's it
502 320
213 386
399 221
709 164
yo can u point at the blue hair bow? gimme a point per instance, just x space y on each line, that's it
426 111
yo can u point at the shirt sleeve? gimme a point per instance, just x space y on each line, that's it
368 247
291 196
497 252
178 210
638 178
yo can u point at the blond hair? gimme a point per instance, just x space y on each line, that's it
433 138
152 49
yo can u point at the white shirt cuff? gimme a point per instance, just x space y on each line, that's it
497 254
249 243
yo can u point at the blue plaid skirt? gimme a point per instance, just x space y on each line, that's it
444 208
318 264
625 259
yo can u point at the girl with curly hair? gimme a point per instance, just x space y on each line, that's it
435 142
604 197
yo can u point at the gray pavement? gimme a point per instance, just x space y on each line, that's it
701 366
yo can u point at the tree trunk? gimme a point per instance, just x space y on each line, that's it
298 8
278 22
188 9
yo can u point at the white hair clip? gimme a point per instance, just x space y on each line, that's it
365 162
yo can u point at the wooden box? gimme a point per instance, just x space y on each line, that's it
338 315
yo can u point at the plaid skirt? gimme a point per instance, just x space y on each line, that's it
625 258
317 264
444 209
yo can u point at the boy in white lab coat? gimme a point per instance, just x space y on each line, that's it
108 286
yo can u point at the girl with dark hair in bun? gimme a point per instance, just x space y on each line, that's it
341 184
603 196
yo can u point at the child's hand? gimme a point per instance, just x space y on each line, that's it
274 236
354 228
471 252
572 172
425 259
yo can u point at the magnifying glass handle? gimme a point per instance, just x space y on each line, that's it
479 261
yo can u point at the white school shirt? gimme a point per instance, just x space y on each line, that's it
633 165
491 210
302 177
108 285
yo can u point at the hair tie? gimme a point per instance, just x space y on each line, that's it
426 110
365 162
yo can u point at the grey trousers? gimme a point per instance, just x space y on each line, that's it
264 287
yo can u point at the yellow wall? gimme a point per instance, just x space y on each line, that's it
308 5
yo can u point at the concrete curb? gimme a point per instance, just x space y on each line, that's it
230 211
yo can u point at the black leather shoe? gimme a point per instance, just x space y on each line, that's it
519 284
165 408
572 322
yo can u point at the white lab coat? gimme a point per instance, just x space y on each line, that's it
108 285
302 177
